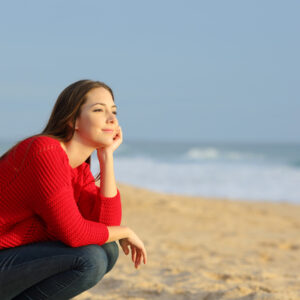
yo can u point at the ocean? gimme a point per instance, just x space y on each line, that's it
257 172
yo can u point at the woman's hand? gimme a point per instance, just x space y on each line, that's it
102 152
138 251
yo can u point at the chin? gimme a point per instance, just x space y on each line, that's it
104 143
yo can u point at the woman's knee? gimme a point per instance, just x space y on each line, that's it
112 252
93 262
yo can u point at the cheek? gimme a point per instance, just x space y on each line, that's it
87 125
93 122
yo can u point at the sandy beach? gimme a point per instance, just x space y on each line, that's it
200 248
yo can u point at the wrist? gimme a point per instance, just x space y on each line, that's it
128 232
105 156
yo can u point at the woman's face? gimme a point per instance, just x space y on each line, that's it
97 124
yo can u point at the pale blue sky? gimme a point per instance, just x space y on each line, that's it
181 70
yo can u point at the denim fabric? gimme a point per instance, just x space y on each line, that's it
53 270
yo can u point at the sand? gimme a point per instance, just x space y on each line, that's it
201 248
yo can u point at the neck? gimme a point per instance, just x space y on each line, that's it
77 152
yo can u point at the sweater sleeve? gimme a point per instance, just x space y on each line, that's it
53 200
94 206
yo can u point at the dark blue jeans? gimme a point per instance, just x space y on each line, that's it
53 270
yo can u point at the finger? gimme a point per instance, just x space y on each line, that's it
138 259
120 131
145 256
133 253
125 249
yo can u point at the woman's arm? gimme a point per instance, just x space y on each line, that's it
110 205
101 204
96 207
127 238
107 176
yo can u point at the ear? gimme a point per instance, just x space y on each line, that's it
71 125
76 125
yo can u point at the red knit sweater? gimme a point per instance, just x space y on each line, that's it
43 198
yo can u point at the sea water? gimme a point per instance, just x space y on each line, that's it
259 172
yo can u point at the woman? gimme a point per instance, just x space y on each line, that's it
57 228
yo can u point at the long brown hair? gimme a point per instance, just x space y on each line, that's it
67 108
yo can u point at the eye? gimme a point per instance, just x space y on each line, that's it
99 109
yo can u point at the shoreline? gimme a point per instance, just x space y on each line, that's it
212 198
206 247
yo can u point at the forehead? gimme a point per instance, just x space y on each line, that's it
99 95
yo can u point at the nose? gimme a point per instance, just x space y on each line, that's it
112 118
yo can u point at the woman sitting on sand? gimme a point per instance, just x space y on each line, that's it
57 228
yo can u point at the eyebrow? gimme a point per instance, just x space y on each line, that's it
103 104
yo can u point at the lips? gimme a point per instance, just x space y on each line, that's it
108 130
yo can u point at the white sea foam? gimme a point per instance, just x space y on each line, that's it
215 179
211 153
202 153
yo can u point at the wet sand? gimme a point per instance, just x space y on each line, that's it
200 248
